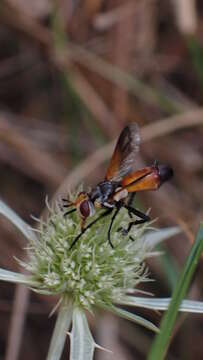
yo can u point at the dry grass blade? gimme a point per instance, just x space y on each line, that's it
106 20
105 118
79 55
120 48
108 335
186 15
17 321
174 123
32 159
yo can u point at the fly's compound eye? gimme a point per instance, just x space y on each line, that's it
86 208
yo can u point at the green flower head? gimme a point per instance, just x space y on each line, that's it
90 272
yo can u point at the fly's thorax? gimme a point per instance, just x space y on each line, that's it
103 192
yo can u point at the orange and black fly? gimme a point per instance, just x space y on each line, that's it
120 184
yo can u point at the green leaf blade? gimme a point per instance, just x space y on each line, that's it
60 331
16 278
135 318
82 342
26 230
161 304
153 238
162 341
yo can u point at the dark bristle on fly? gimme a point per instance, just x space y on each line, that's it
165 172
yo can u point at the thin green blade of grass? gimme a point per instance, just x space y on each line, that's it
162 341
196 53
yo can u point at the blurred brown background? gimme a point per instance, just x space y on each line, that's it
72 73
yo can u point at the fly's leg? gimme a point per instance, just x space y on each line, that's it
69 212
130 202
89 226
143 218
66 204
118 207
82 223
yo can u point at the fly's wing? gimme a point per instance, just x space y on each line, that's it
123 158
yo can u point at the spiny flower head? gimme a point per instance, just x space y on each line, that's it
91 272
